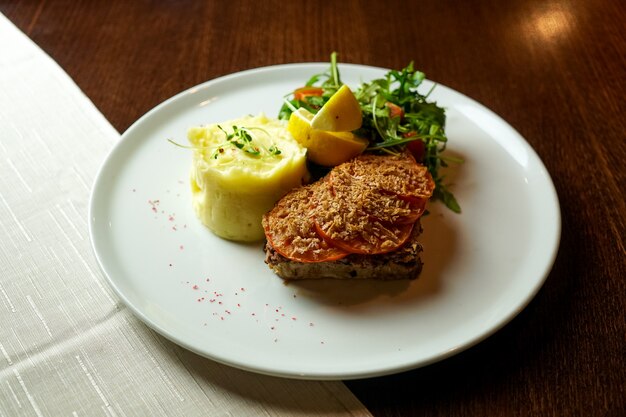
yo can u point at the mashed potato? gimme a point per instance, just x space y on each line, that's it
240 169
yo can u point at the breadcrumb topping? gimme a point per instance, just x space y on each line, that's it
366 205
396 174
289 225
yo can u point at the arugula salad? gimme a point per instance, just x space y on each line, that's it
396 116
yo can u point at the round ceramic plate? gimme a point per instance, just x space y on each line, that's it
219 299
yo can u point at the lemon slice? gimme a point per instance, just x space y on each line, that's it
341 113
324 147
299 126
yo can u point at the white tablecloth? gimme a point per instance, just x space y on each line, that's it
67 345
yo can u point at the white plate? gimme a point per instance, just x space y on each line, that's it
219 299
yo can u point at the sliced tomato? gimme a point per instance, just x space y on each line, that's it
373 246
396 174
284 246
416 147
368 206
290 229
417 208
394 110
383 206
415 181
302 93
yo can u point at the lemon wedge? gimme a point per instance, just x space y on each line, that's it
341 113
324 147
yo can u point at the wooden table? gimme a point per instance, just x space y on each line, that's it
556 71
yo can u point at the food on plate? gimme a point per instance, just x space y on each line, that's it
404 263
395 116
324 147
360 221
381 148
341 113
337 185
240 168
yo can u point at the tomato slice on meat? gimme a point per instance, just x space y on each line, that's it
417 207
385 239
396 174
286 246
368 205
290 229
374 195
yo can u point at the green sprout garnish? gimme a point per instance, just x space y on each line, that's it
240 138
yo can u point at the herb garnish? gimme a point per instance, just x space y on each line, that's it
273 150
240 138
313 97
395 117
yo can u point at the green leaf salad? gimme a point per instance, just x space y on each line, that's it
395 117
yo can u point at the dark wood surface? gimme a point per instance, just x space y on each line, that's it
555 70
